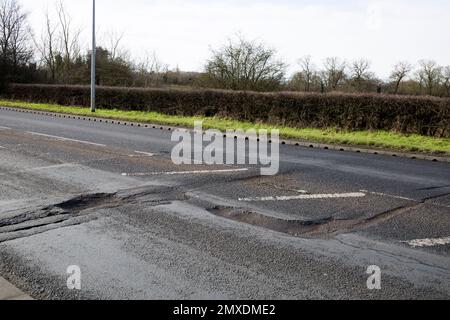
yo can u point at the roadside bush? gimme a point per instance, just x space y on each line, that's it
406 114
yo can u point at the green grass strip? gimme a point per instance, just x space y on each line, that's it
377 139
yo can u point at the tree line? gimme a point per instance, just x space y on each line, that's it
424 78
56 56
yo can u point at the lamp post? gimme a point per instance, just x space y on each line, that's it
93 58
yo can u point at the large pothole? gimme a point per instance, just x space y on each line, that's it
77 210
291 227
307 229
71 212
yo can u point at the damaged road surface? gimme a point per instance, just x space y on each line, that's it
139 227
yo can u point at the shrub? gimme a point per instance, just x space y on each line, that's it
406 114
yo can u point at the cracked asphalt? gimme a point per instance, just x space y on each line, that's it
107 198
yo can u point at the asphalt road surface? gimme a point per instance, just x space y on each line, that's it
107 198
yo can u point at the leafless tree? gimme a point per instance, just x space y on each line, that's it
113 40
308 71
446 80
14 34
360 72
245 65
400 72
69 36
334 72
150 70
47 46
58 45
430 74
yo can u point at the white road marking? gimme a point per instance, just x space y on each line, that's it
5 128
2 147
306 197
66 139
401 198
56 166
145 153
420 243
388 195
185 172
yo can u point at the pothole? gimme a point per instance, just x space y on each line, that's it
307 229
71 212
291 227
89 201
80 209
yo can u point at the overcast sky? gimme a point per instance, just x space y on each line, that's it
182 32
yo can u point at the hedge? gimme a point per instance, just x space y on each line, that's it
406 114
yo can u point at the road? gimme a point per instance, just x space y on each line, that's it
107 198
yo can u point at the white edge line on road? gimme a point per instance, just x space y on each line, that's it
388 195
5 128
66 139
145 153
184 172
306 197
420 243
2 147
401 198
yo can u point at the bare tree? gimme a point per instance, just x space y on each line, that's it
430 74
58 45
150 70
47 46
308 71
14 35
400 72
113 41
446 80
245 65
68 37
334 72
360 72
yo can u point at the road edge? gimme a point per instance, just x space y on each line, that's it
9 292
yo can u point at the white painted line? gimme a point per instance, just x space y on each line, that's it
5 128
420 243
145 153
306 197
66 139
388 195
2 147
184 172
57 166
401 198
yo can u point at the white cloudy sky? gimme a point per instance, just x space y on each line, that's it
182 32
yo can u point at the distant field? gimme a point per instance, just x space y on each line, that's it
377 139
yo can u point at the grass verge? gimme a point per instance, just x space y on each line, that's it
376 139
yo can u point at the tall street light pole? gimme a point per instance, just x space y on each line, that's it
93 58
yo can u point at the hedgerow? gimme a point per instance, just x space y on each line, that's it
405 114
